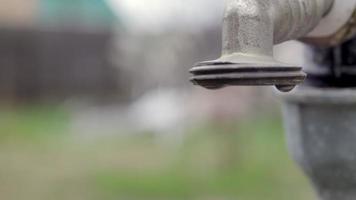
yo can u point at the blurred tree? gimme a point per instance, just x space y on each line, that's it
84 12
59 49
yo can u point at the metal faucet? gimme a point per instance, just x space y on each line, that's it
320 117
250 30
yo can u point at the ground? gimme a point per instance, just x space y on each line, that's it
245 159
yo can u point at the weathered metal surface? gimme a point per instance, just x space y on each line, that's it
347 31
321 137
250 29
337 26
215 76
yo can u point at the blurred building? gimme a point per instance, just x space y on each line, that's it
55 49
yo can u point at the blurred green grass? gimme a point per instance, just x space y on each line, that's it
32 122
242 159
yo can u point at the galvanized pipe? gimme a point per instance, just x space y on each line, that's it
254 26
295 18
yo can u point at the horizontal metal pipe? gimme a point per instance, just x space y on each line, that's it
295 18
254 26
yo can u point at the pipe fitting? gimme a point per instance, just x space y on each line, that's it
322 144
338 26
250 30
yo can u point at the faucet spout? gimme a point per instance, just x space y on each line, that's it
250 30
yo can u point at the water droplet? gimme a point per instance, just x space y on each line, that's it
285 88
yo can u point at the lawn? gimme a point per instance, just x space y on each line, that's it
243 159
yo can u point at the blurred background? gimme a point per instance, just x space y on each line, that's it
96 103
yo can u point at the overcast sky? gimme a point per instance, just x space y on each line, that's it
157 15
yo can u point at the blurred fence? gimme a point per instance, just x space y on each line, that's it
39 63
